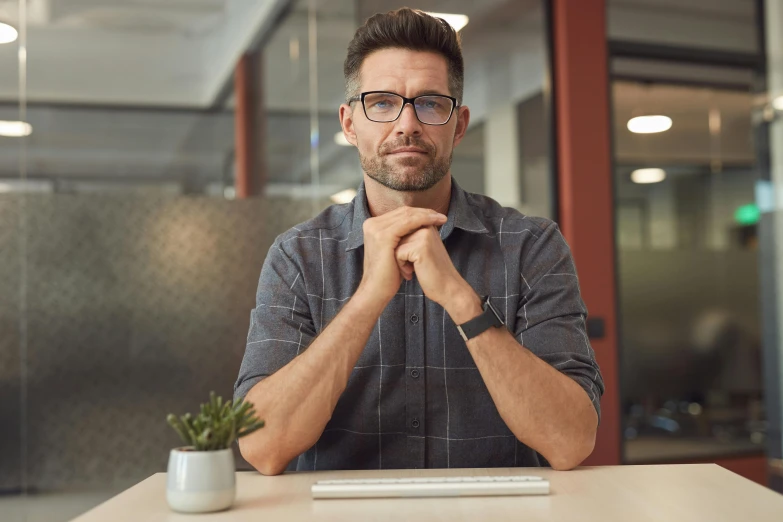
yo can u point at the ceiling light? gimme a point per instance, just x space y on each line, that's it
8 33
648 175
344 196
15 129
649 124
457 21
778 103
25 185
340 139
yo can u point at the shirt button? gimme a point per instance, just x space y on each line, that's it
414 318
415 423
415 374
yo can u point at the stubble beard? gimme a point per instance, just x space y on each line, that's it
380 169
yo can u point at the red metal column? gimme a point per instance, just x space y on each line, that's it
586 205
249 125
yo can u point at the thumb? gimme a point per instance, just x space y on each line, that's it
402 256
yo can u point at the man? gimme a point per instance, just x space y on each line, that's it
378 338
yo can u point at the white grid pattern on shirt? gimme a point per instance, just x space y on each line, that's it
294 307
463 438
323 295
267 340
323 278
444 368
524 308
446 387
439 368
374 434
380 390
505 270
279 306
500 232
313 237
329 298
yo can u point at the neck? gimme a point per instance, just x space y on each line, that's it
381 199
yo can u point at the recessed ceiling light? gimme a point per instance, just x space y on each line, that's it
25 185
778 103
457 21
15 129
339 139
8 33
649 124
344 196
648 175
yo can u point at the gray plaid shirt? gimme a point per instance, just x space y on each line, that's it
415 398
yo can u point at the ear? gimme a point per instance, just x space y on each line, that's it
463 118
347 123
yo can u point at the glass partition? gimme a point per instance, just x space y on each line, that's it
771 228
687 239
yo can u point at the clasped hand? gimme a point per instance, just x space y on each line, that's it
404 241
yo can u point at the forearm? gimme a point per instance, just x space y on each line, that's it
297 401
545 409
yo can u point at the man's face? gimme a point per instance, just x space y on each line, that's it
404 155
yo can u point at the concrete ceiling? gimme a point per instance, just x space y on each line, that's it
179 53
174 53
726 25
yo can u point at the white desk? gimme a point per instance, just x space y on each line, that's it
668 493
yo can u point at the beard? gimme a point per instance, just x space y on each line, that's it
430 172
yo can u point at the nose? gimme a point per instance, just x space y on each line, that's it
408 124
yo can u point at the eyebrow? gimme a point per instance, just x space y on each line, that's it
427 92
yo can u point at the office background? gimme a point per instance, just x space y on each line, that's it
150 151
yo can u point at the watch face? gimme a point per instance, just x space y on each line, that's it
500 321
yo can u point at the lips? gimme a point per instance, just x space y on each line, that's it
408 149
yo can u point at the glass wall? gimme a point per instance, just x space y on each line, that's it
699 246
128 261
771 227
688 265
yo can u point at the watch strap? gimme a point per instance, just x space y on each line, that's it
488 318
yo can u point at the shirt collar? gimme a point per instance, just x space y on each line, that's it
460 216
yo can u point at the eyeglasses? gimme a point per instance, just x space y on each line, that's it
385 107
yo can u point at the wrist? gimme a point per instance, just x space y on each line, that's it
464 305
369 300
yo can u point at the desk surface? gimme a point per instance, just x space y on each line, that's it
606 494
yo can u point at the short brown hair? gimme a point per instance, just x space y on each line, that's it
405 28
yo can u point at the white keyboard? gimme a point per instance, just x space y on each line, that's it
431 487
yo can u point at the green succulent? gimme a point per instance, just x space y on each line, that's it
217 425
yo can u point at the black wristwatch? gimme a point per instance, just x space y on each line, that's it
490 317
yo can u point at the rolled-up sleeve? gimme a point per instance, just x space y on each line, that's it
551 316
281 326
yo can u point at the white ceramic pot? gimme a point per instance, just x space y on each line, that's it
200 481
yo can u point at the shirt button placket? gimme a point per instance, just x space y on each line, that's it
415 385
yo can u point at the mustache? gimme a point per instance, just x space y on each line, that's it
408 141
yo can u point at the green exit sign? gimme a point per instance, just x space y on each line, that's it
747 214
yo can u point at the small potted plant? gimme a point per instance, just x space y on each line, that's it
201 474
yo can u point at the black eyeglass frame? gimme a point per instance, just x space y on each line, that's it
405 101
